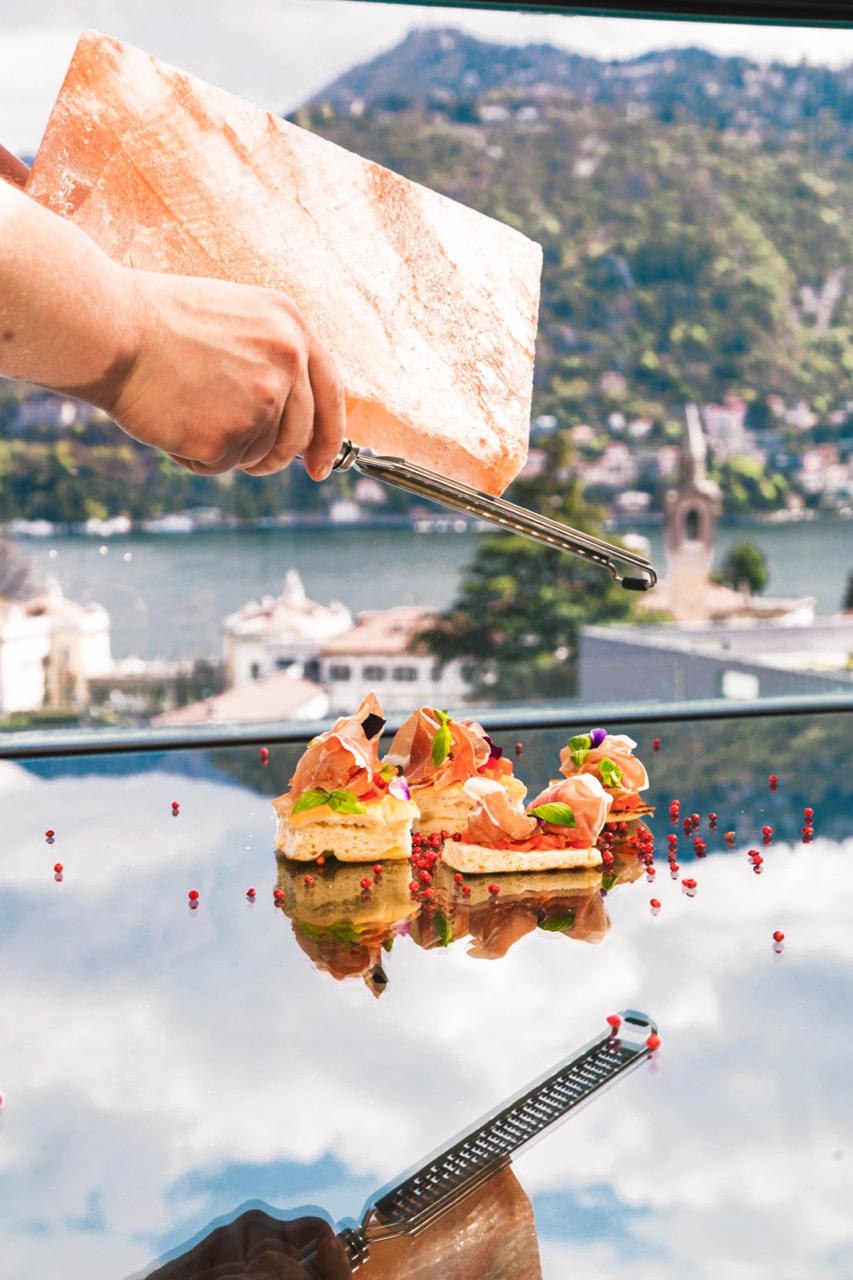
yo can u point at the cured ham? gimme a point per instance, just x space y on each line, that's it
559 829
611 759
439 755
342 801
429 308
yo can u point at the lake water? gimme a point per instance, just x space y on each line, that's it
167 596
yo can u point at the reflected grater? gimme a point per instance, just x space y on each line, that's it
415 1200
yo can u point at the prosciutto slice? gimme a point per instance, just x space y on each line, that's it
618 748
411 750
588 801
493 817
346 756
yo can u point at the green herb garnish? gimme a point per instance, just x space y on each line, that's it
561 923
559 814
341 801
443 928
443 739
611 774
579 747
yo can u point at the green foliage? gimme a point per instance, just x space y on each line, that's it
520 604
744 564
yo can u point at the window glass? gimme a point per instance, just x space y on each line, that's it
690 186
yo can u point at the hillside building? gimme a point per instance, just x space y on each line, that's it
380 654
279 633
687 593
50 648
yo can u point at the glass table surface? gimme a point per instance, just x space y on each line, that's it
162 1064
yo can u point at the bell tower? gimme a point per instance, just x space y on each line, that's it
693 508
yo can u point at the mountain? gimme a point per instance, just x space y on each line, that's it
696 216
433 68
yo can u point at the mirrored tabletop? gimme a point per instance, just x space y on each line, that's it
166 1060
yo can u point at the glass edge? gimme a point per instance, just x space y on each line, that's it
493 719
830 13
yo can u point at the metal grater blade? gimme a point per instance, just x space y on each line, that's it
447 1176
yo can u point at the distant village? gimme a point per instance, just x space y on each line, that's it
290 658
627 465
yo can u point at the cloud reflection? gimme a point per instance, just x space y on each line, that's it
148 1051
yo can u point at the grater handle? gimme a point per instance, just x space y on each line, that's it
506 515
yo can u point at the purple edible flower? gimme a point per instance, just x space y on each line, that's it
596 737
399 787
495 752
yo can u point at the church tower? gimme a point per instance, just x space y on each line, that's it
691 513
693 508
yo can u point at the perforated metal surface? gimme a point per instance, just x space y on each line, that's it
450 1174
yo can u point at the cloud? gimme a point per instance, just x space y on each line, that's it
148 1049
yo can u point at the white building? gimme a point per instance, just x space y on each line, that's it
280 633
50 648
379 654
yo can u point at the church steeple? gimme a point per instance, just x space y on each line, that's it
693 508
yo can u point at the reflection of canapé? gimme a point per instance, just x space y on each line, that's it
345 929
567 902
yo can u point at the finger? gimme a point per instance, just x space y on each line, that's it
273 1266
294 429
332 1261
329 412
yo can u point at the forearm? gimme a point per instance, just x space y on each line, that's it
67 311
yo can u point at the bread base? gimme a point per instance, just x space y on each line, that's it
447 808
382 833
478 859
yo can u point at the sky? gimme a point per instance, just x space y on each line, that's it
277 53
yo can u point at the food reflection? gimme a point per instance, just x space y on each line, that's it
343 926
347 917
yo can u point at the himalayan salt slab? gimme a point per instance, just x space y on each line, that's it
429 308
488 1235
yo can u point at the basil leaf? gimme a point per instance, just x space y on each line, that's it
443 928
560 923
441 745
609 879
344 802
311 800
561 815
579 746
611 774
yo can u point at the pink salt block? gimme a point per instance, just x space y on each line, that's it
429 308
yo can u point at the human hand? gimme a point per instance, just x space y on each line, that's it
226 375
259 1246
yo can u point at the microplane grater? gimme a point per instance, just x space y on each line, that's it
506 515
448 1175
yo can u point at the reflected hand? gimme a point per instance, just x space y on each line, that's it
258 1247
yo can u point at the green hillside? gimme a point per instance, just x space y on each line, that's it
690 251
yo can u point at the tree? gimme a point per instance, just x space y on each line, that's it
520 605
17 577
847 601
744 565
